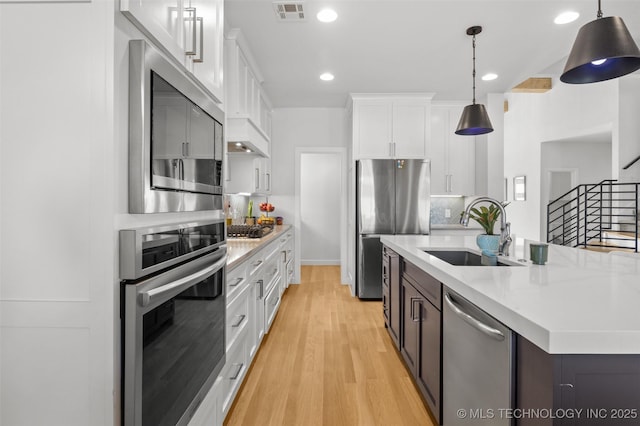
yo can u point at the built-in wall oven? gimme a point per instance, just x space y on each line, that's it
173 311
175 138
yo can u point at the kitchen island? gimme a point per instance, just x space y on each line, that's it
552 344
580 301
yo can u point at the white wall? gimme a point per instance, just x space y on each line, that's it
57 191
565 111
628 129
298 128
592 161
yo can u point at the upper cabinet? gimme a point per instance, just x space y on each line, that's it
248 108
189 31
391 126
452 156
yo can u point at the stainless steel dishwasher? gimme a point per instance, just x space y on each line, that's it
478 365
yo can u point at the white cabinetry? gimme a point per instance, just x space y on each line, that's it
452 156
248 173
391 126
287 266
190 31
248 109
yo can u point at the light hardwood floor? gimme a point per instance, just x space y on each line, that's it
327 360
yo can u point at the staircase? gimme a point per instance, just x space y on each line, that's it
601 216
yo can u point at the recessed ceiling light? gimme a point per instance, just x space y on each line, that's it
238 143
490 76
566 17
327 76
327 15
248 150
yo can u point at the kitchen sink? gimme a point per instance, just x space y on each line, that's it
465 258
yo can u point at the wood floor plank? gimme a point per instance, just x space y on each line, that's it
327 360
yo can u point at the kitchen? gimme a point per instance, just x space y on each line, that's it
62 317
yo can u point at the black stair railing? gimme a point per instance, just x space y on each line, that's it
602 215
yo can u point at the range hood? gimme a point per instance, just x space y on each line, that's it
242 129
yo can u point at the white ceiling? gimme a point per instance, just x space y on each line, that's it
390 46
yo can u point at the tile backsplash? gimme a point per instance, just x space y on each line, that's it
439 206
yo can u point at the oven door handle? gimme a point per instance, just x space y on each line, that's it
149 296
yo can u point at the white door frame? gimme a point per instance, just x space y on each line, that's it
342 155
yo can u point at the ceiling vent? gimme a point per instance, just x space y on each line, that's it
289 11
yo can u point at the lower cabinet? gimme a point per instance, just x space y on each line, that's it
391 293
253 293
578 389
210 410
420 341
233 372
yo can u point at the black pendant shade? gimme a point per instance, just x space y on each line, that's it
474 119
605 38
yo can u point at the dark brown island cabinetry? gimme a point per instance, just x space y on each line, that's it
391 293
576 389
421 331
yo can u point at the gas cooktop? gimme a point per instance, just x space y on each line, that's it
248 231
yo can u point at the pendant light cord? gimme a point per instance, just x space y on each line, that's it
599 9
474 69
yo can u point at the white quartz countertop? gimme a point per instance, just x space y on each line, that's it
240 249
579 302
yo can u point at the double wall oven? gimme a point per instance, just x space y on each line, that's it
173 312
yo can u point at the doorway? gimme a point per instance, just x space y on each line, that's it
321 200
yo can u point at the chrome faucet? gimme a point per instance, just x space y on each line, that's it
505 227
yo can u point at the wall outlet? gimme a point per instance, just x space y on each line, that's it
447 213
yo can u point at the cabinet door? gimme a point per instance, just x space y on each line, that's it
410 129
605 387
260 295
244 88
206 64
428 371
452 156
372 129
391 276
461 157
410 326
436 151
161 20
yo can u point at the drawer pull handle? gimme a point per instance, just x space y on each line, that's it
256 264
238 370
261 284
413 315
240 319
275 302
238 281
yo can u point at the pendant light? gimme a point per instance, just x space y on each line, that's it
604 49
474 119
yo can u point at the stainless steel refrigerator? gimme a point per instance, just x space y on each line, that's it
392 197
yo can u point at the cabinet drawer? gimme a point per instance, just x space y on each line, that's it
271 305
425 283
236 280
233 372
255 262
237 316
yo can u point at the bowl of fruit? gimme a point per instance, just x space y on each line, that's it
264 219
266 207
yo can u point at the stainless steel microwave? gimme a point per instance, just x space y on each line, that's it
175 138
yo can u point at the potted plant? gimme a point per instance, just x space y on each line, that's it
486 217
249 219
